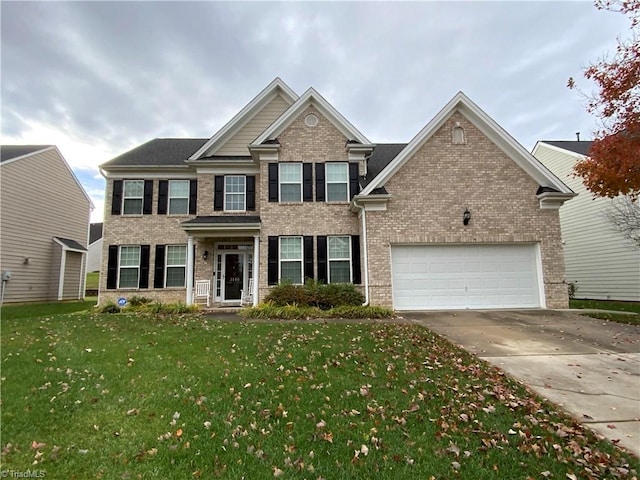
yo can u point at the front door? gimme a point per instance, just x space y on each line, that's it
233 276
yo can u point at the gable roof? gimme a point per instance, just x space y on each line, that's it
14 152
311 97
158 152
461 103
581 147
382 155
68 244
276 87
95 232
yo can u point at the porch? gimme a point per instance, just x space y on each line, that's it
223 260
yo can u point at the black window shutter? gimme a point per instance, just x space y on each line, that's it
354 184
193 197
158 275
251 192
163 196
320 182
308 257
218 193
322 258
148 197
273 182
307 182
112 268
272 254
144 266
116 200
355 259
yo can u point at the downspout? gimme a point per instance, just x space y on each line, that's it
365 252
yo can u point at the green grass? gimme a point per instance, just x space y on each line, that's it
633 307
134 396
92 280
35 310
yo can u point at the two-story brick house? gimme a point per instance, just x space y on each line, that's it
460 217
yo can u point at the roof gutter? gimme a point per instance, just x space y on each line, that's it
365 252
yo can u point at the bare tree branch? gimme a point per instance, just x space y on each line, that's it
624 217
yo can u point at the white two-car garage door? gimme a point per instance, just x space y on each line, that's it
464 276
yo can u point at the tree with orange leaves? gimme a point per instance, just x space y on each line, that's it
613 165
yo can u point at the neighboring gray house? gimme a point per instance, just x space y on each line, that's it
462 216
94 254
601 263
43 225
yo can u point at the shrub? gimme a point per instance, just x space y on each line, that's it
572 289
109 307
360 312
136 301
315 294
270 310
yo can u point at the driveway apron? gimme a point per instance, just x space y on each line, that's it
589 367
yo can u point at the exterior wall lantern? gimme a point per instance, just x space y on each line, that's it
205 255
466 216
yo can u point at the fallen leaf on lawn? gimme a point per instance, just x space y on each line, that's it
179 433
571 476
328 437
133 411
277 472
36 445
365 450
455 465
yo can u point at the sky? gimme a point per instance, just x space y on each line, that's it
100 78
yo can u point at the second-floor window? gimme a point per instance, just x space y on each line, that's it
133 196
337 179
290 182
178 197
235 193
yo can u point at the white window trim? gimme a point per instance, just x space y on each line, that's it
281 260
120 267
178 197
327 182
280 183
244 194
125 197
349 259
167 266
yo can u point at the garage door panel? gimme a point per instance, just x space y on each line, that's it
460 276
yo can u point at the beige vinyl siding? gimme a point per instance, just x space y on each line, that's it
40 200
72 276
237 144
598 260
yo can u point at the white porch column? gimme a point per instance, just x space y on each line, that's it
189 300
256 268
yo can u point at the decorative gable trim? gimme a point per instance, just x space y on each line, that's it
276 87
311 98
461 103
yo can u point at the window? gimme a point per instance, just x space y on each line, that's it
176 265
133 197
339 257
290 182
291 259
129 269
178 197
337 182
235 193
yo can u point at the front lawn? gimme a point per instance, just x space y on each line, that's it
633 307
136 396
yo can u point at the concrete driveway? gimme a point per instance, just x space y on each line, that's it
589 367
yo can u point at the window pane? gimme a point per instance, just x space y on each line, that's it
291 248
339 247
337 172
336 192
128 278
339 272
291 271
178 206
234 202
234 184
133 188
177 255
175 276
132 206
129 256
290 172
290 192
178 188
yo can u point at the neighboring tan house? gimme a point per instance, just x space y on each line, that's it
460 217
94 253
599 261
43 226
